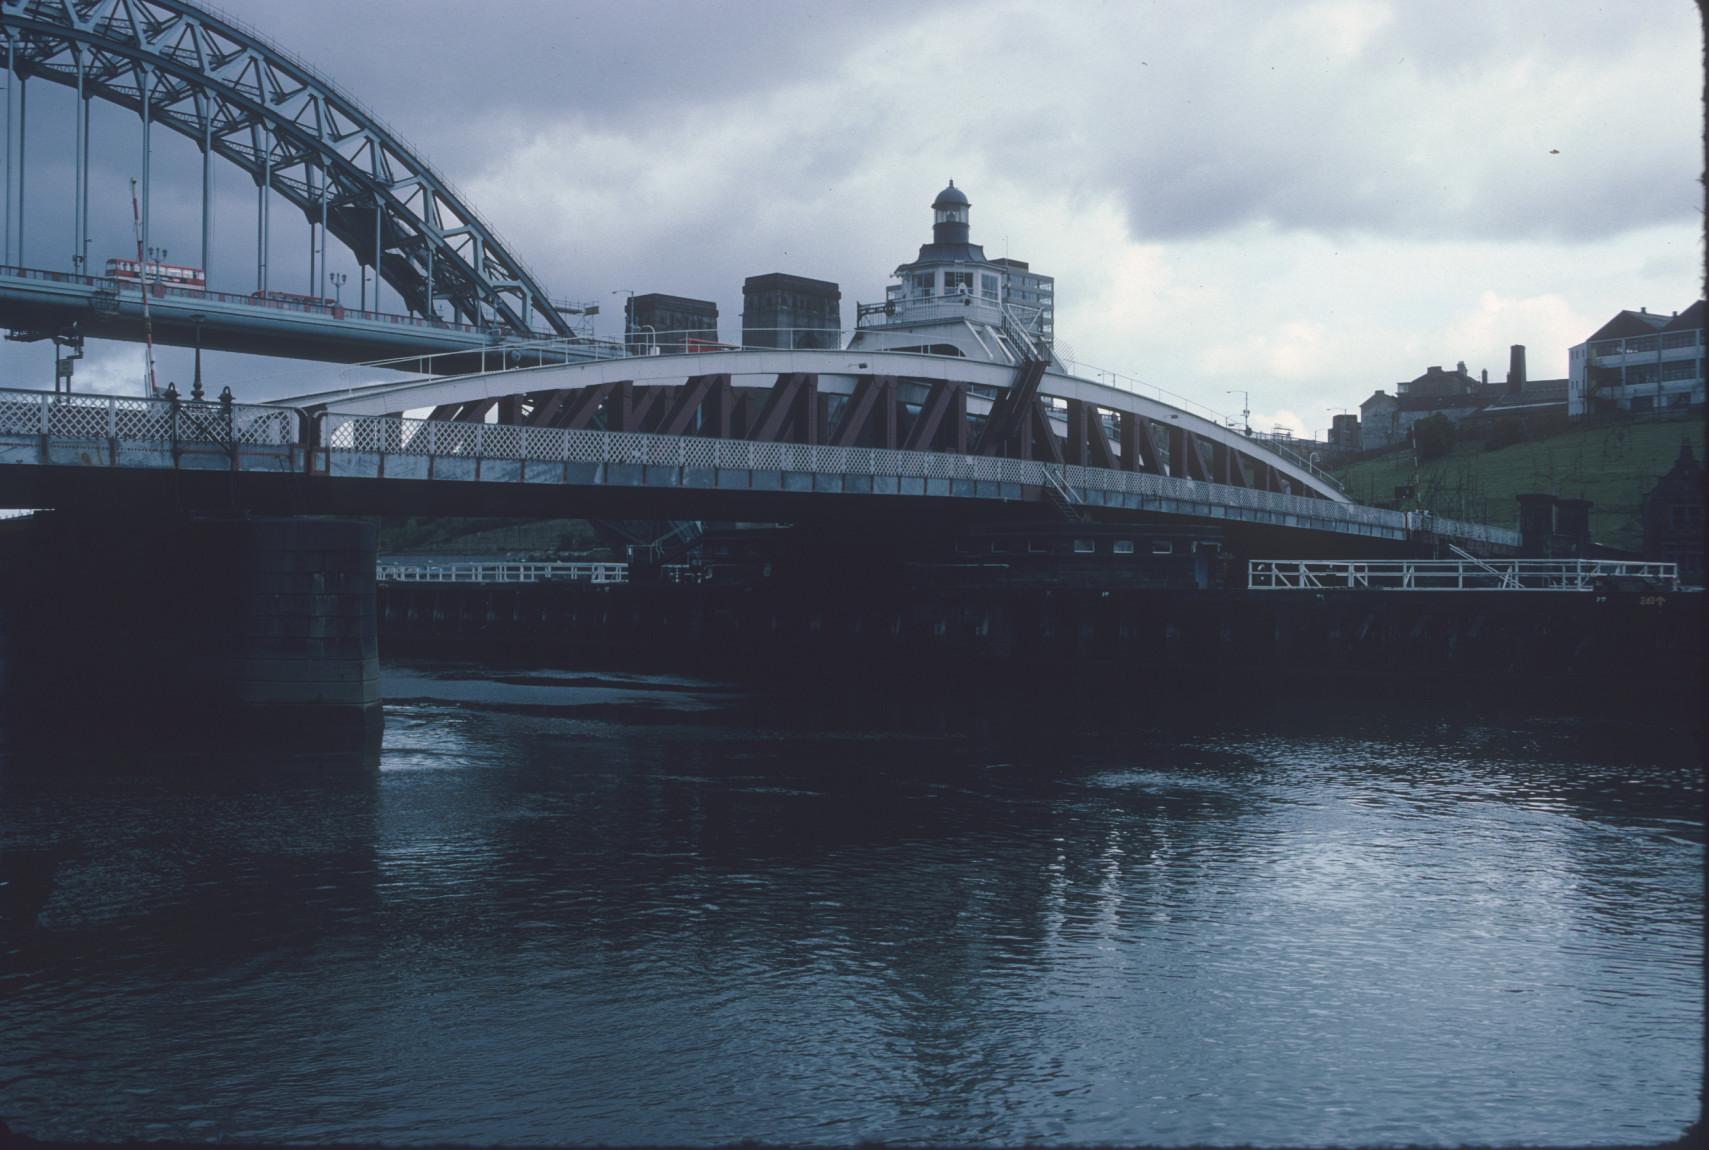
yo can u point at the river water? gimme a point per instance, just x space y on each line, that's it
558 907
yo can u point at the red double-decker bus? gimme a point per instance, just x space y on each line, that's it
165 275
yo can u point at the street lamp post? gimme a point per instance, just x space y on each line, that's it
338 279
1245 408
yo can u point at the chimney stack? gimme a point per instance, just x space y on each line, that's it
1516 369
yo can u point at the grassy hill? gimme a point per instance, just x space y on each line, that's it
1612 464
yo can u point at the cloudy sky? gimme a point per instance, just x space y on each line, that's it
1305 201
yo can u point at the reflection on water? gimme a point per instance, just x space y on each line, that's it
566 908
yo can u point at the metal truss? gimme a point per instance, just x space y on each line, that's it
220 84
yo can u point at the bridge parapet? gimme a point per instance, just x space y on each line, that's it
89 432
135 420
402 447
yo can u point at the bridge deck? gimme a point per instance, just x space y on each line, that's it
104 440
34 300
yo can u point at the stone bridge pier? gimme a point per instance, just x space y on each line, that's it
188 630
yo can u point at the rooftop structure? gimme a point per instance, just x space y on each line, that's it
951 299
780 310
669 324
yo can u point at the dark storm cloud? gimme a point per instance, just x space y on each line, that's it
1505 121
1412 120
464 80
680 147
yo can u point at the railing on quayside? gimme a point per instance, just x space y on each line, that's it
1455 574
503 573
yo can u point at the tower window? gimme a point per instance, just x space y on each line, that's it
958 282
988 286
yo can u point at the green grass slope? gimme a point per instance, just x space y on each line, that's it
1611 464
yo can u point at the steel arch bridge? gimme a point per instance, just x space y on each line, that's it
236 96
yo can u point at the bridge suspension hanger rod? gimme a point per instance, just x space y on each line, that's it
142 280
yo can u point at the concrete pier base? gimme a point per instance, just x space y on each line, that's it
190 629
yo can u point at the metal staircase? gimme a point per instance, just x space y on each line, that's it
1062 495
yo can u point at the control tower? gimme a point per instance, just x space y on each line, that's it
954 300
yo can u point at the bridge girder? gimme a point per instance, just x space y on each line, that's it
221 85
880 399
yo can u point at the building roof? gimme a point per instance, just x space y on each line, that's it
1435 380
1690 319
932 255
951 197
1630 323
784 280
1440 402
1535 393
676 302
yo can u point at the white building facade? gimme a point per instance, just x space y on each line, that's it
1639 362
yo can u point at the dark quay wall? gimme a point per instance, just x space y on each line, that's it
154 628
1574 649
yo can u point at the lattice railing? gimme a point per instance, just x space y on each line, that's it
86 417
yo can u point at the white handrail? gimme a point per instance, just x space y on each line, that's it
502 572
1468 574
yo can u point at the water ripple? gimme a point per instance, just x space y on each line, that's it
537 924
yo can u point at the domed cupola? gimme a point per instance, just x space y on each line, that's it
949 216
